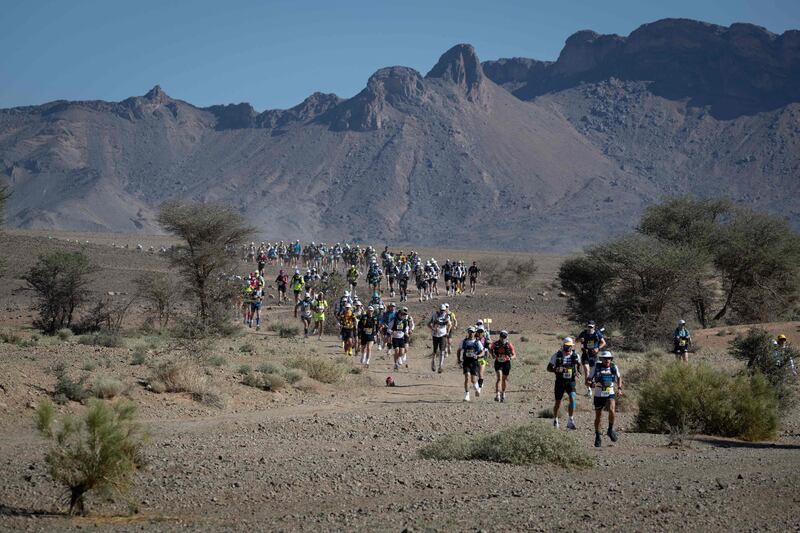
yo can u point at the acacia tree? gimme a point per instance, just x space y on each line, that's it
60 281
208 231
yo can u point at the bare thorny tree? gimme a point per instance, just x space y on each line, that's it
208 231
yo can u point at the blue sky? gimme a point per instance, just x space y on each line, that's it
275 53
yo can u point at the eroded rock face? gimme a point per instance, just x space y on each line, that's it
739 70
460 65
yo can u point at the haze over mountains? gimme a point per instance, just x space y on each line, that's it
513 153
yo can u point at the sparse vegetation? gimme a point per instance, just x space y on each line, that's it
523 445
159 290
757 349
109 340
683 398
547 412
245 370
68 389
98 451
64 334
139 355
60 282
217 360
106 387
184 376
285 331
247 348
510 272
322 370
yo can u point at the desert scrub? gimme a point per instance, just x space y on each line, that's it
245 370
106 387
523 445
109 340
247 348
184 376
682 398
98 451
267 382
68 389
322 370
269 367
64 334
285 331
217 361
139 355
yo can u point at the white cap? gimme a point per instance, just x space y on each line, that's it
568 341
443 307
606 355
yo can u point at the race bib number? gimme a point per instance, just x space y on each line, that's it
567 374
682 342
605 392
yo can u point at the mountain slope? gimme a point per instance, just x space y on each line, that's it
506 154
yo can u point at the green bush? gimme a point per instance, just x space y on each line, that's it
322 370
184 376
10 337
98 451
267 382
245 370
68 389
106 387
757 349
683 398
64 333
269 367
138 356
109 340
247 348
217 360
545 413
293 375
522 445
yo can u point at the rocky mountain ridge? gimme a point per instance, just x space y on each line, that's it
513 153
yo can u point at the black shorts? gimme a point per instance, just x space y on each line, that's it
470 366
366 338
255 306
439 344
601 401
502 366
281 288
399 343
681 349
348 334
588 358
473 280
564 386
404 284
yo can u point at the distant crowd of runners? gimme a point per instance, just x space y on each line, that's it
378 325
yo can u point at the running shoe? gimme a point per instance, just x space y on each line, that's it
497 397
466 396
502 397
612 435
556 423
598 440
571 425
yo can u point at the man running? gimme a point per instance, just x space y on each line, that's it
473 271
681 341
367 329
592 341
305 306
467 354
606 377
297 283
352 278
318 307
256 298
400 330
503 352
440 327
348 322
564 364
453 326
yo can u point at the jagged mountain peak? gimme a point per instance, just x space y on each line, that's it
157 94
460 65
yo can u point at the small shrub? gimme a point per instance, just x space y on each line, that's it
293 375
267 382
182 376
109 340
10 338
88 366
545 413
322 370
217 361
288 332
641 373
523 338
761 355
138 356
523 445
105 387
245 370
68 389
64 334
98 451
247 348
686 397
269 367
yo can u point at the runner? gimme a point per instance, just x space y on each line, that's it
400 330
453 326
503 352
592 341
474 271
304 306
440 327
564 363
402 280
681 341
783 354
318 308
297 284
348 322
352 278
483 358
367 329
605 376
256 297
247 304
467 354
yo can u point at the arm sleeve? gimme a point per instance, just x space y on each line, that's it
553 360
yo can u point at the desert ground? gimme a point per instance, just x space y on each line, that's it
344 456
